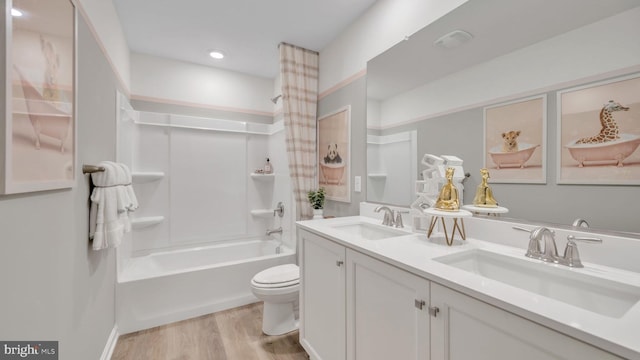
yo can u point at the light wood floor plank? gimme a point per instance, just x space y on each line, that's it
228 335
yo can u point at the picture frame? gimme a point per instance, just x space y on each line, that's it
590 117
334 154
39 132
515 142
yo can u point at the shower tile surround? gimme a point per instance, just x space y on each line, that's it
207 193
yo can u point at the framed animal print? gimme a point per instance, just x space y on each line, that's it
39 148
599 133
515 141
334 154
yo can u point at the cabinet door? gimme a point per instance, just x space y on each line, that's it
322 296
469 329
387 311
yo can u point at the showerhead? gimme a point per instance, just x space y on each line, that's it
275 99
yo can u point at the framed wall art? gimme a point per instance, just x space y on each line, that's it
599 133
334 154
39 149
515 141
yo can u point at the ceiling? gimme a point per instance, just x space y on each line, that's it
247 31
498 28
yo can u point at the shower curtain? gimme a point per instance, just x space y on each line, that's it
299 73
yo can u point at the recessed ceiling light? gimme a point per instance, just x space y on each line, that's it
453 39
216 54
16 12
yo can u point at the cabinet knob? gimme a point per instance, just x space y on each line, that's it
339 263
433 311
419 304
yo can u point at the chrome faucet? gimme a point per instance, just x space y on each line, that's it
273 231
570 258
388 215
579 222
550 252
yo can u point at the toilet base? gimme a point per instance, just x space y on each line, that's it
278 318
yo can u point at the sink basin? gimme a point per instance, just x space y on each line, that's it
369 231
602 296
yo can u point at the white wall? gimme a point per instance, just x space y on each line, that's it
385 24
105 26
164 80
605 47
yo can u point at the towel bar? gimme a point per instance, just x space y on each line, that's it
88 169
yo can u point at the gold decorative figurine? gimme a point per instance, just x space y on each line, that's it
448 199
484 195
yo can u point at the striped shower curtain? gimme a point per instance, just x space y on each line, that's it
299 73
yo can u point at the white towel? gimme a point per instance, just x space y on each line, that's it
111 201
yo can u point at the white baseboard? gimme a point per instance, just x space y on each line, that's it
127 324
111 344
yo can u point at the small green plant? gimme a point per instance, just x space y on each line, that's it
316 198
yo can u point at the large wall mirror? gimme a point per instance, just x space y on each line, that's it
423 98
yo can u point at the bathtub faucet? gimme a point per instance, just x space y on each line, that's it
273 231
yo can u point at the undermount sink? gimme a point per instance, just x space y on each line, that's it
369 231
602 296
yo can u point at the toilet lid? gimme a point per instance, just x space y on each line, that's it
289 273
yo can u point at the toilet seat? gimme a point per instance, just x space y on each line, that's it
277 277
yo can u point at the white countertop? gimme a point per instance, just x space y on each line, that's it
413 252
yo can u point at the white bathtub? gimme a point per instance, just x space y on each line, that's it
171 286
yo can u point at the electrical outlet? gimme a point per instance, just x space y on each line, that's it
357 184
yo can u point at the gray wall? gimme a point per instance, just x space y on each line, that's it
54 287
605 207
354 94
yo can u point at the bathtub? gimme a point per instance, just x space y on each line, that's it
612 151
170 286
332 173
516 158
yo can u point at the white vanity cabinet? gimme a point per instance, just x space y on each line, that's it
383 309
466 328
322 297
356 307
387 311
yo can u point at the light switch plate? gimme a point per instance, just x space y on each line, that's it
357 183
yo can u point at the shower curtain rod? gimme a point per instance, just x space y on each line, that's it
299 47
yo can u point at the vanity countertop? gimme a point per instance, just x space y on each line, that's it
414 253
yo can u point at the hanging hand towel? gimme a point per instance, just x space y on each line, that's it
111 202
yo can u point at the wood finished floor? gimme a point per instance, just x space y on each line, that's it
227 335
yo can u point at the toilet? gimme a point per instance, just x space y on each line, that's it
278 287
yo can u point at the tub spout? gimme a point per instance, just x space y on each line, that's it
273 231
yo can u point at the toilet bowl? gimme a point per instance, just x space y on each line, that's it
278 287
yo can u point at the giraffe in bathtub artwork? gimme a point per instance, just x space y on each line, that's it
609 131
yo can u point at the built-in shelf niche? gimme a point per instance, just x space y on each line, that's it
146 221
380 176
140 177
258 176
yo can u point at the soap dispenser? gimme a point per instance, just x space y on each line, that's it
268 168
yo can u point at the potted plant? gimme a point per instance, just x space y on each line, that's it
316 199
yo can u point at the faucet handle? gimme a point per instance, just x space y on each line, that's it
398 221
584 239
571 255
388 218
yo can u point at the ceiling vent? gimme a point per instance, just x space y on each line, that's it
453 39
